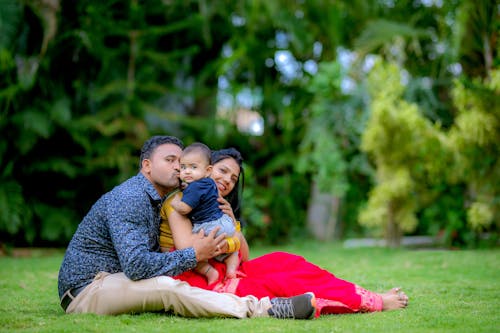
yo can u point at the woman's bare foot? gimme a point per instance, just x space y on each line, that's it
394 299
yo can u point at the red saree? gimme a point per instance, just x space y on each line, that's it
282 274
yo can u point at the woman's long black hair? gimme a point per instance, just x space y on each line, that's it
234 197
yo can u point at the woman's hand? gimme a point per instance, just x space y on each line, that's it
225 206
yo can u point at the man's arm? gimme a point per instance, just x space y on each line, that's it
131 240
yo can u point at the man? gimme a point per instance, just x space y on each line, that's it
113 264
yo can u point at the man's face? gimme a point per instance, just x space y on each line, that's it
162 169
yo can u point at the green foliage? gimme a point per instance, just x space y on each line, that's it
76 131
476 38
474 137
10 15
415 159
479 216
12 207
443 215
401 143
329 151
83 84
56 223
389 201
320 151
384 33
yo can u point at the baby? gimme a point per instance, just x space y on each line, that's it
199 203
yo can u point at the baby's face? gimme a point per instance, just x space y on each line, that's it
193 167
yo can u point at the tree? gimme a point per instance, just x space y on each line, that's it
83 84
405 148
474 139
328 147
413 157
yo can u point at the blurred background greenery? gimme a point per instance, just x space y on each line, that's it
356 118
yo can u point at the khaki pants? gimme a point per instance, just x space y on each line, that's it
116 294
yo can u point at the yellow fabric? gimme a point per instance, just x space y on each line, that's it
166 240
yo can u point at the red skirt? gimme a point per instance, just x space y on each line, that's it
281 274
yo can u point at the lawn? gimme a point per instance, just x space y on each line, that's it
450 291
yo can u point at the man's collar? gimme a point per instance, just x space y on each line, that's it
149 188
151 191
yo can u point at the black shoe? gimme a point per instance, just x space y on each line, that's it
297 307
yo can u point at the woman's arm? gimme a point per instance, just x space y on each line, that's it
181 207
244 248
181 228
225 206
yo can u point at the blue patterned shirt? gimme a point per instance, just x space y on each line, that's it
120 234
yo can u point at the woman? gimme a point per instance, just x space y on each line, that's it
277 274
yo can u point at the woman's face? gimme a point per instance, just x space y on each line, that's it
225 173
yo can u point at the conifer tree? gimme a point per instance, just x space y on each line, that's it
404 147
474 139
412 155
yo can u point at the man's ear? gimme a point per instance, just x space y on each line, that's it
146 165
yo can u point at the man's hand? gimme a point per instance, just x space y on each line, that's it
209 246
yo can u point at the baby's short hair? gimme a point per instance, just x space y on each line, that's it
200 148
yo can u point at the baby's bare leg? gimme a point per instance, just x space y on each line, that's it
204 268
232 263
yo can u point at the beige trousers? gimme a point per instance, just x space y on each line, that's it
116 294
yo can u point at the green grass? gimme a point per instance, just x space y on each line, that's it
450 291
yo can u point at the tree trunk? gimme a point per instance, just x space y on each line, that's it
322 215
392 231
